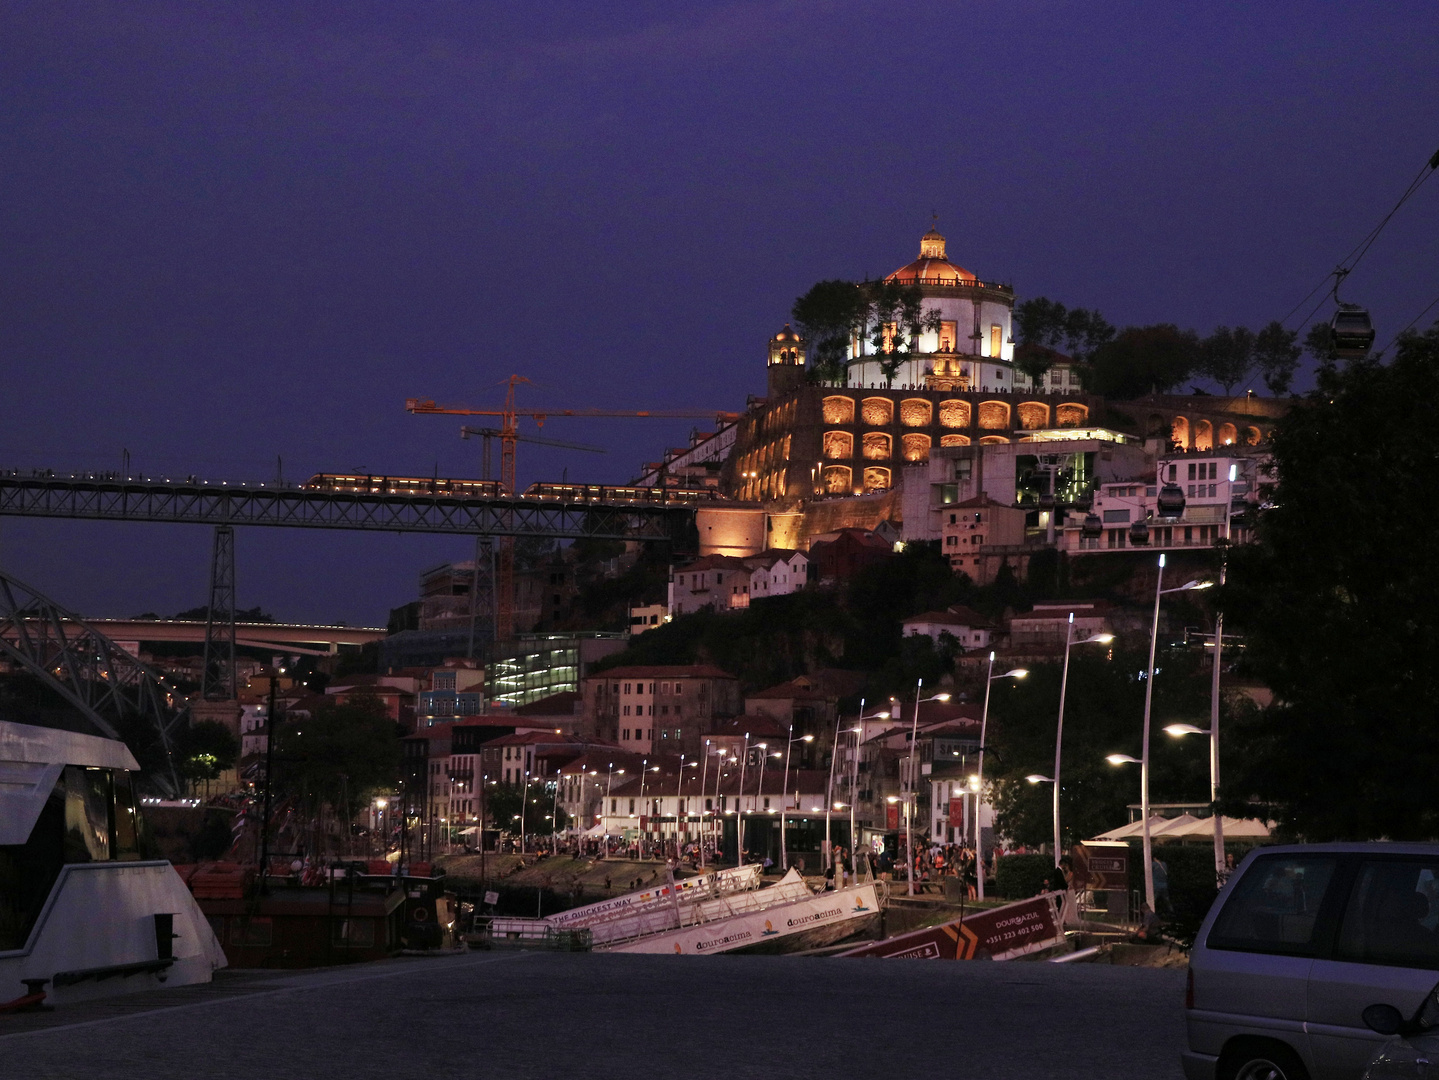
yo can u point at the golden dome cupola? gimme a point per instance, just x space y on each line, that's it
933 266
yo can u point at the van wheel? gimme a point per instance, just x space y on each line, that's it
1262 1061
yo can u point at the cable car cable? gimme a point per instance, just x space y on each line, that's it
1362 248
1432 304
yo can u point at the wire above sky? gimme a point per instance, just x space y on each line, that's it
1350 261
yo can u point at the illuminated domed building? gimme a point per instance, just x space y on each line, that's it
971 347
807 440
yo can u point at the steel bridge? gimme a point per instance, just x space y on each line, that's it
102 498
223 506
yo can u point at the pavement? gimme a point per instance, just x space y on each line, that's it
544 1015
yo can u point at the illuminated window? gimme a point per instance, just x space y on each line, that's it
891 331
948 335
996 339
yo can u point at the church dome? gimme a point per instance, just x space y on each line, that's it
787 335
932 267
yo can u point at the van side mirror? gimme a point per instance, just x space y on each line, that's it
1383 1019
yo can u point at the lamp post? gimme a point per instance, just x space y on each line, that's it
609 786
644 770
715 824
679 788
704 777
989 680
784 796
759 795
739 805
524 797
1095 639
1159 591
910 802
830 803
1219 867
1180 730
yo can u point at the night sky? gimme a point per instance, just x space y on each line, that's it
231 233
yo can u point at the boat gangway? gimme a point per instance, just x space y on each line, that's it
668 893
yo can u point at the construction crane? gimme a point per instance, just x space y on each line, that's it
509 435
489 433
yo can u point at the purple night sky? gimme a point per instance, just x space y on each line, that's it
231 232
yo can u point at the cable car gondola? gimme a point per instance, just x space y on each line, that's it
1171 500
1139 533
1093 528
1351 334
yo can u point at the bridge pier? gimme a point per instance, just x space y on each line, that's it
218 682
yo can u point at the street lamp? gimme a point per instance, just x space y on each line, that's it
704 775
645 768
1095 639
1159 591
830 802
784 797
739 805
910 799
679 787
1178 731
978 785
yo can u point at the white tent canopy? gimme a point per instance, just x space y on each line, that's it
1186 826
1158 826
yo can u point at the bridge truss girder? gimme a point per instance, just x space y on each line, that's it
120 696
67 497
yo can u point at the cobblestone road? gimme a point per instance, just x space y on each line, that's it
504 1015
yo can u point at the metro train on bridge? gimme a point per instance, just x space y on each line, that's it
366 484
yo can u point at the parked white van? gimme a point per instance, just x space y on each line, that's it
1299 944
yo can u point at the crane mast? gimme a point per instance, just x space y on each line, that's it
508 433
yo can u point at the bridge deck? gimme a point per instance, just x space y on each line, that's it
202 503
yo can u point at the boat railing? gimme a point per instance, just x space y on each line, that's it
661 921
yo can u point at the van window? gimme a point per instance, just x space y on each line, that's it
1392 916
1275 906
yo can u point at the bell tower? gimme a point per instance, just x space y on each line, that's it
786 363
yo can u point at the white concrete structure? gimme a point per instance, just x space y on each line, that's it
647 617
972 347
1210 496
714 581
776 573
970 629
87 915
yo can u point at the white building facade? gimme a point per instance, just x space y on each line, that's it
972 347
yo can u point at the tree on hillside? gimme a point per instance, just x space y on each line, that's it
1227 355
204 750
828 317
1144 360
1339 602
339 755
894 318
1044 326
1277 355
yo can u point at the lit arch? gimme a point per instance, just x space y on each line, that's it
1033 415
1072 414
994 415
1228 435
954 440
1179 432
915 412
877 446
954 413
839 410
838 445
838 479
877 411
916 447
876 479
1203 435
